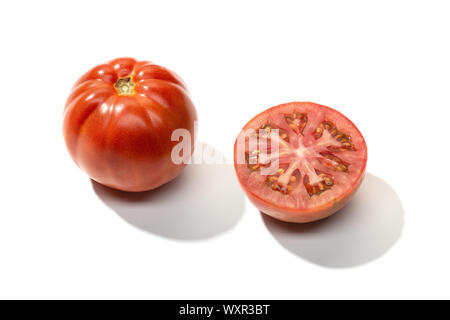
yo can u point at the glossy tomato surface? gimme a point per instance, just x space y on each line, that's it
118 122
307 163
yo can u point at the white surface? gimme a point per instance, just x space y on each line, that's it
385 64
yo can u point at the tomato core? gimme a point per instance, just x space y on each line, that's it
125 86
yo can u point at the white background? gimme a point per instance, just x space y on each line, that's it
384 64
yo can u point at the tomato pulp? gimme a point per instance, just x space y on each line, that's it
307 163
118 122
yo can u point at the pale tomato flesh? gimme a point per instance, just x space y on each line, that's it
318 162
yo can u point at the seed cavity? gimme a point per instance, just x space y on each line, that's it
268 128
265 131
272 181
345 143
296 121
334 162
323 185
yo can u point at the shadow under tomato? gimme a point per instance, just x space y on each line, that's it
366 228
203 201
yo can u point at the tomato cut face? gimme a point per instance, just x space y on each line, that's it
300 161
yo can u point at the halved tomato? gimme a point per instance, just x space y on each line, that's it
307 162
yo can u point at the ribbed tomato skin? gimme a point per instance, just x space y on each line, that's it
124 141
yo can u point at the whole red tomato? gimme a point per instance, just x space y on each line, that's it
118 122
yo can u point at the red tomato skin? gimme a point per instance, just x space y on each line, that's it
300 215
124 141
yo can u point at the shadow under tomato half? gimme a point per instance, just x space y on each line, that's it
366 228
203 201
